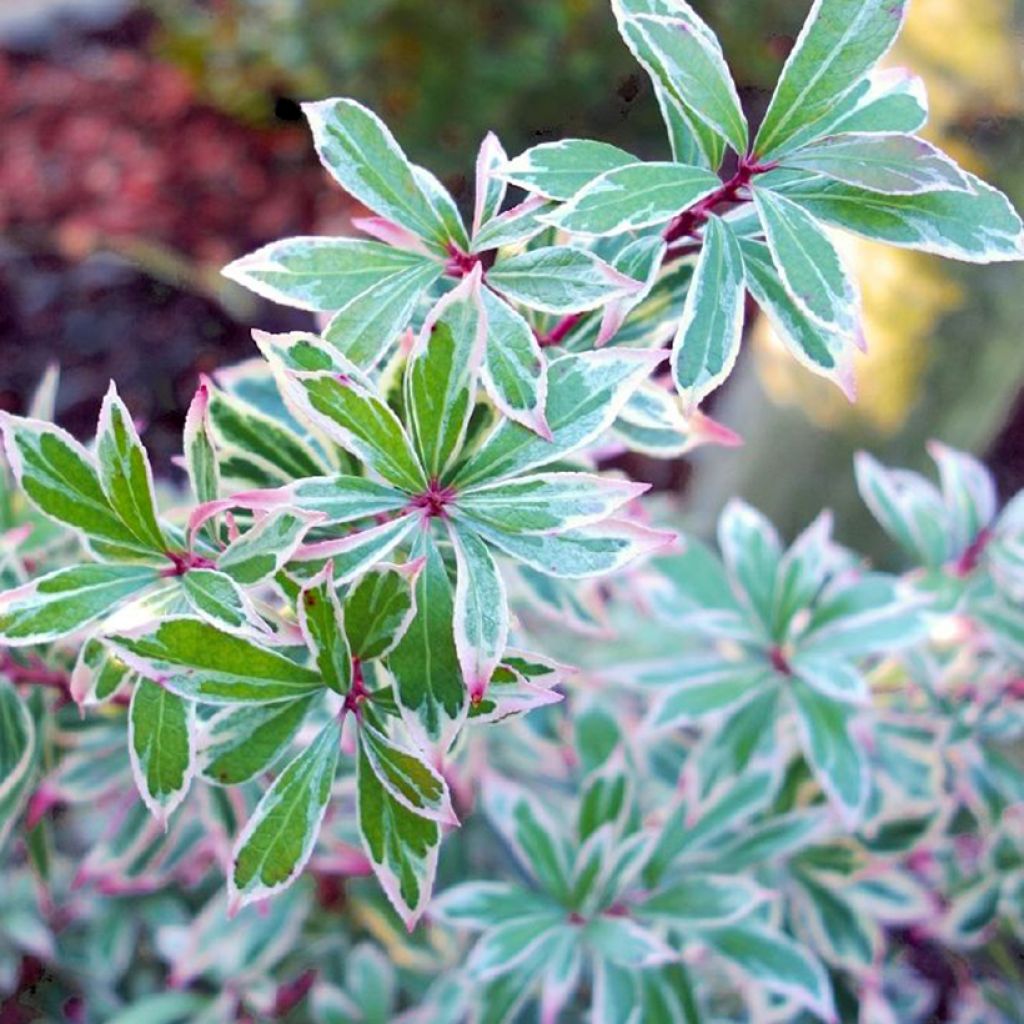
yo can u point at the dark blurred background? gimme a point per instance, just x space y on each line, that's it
143 145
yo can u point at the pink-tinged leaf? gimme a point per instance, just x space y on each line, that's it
357 552
390 233
490 189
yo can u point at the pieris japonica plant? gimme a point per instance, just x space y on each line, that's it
780 787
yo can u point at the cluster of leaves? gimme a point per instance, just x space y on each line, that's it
306 656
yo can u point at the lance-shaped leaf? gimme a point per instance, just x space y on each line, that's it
202 663
441 375
490 188
558 170
408 779
515 372
969 492
836 757
364 158
641 260
825 352
559 279
338 499
240 427
364 329
379 608
445 208
278 839
217 598
890 623
519 684
771 959
60 479
260 552
585 393
840 42
716 691
124 471
161 744
353 554
351 414
402 846
707 340
752 551
892 163
547 502
627 943
979 226
477 906
515 226
98 674
425 664
480 618
691 60
833 678
17 756
323 625
702 901
238 743
320 274
589 551
65 600
892 100
200 456
808 264
633 197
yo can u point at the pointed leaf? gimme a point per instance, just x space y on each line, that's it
339 499
702 901
558 170
490 188
260 552
379 608
217 598
17 756
98 674
161 743
322 622
278 839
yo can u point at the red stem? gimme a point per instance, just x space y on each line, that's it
35 673
685 225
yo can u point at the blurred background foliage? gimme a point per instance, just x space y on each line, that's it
118 277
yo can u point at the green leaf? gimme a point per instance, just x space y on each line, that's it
626 942
161 730
515 372
322 622
354 553
653 423
546 502
402 846
979 226
716 691
482 905
707 340
558 170
559 279
893 100
60 478
278 839
354 416
202 663
425 664
490 187
771 959
515 226
240 427
408 779
441 375
969 492
260 552
322 274
63 601
833 678
633 197
339 499
200 455
752 552
895 164
244 740
836 757
17 756
520 684
838 932
702 901
840 42
690 59
217 598
589 551
363 157
480 617
825 352
98 674
379 609
364 329
585 393
808 264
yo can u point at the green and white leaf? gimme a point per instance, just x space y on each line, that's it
636 196
322 621
707 340
216 597
338 499
262 551
17 756
379 608
161 745
66 600
355 553
98 674
278 839
558 170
